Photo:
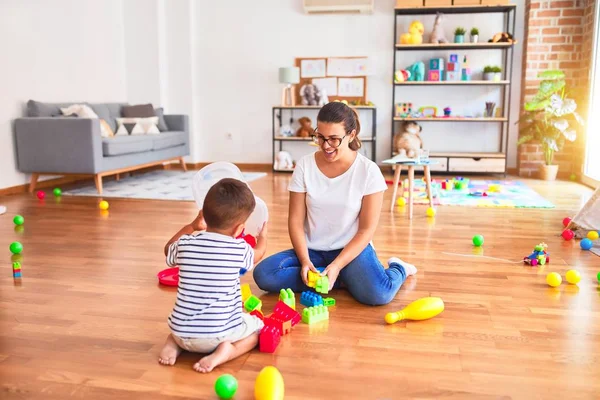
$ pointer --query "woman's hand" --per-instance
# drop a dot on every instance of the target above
(332, 271)
(306, 266)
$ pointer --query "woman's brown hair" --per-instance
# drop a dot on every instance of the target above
(337, 112)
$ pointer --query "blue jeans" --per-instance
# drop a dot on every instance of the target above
(365, 278)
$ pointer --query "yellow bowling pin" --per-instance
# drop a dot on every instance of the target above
(425, 308)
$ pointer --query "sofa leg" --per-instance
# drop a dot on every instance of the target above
(98, 180)
(33, 182)
(183, 166)
(118, 177)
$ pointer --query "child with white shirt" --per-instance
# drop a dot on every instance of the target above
(207, 316)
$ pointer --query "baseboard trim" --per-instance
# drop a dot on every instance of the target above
(250, 167)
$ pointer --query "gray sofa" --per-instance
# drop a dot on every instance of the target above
(48, 143)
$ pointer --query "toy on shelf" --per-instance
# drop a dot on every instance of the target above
(417, 71)
(539, 256)
(489, 109)
(465, 72)
(418, 310)
(306, 128)
(288, 297)
(502, 37)
(414, 35)
(310, 299)
(447, 111)
(403, 110)
(311, 95)
(312, 315)
(284, 161)
(401, 76)
(428, 111)
(437, 35)
(436, 70)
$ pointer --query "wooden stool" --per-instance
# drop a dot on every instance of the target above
(411, 183)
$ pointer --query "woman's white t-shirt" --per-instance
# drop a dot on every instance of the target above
(333, 204)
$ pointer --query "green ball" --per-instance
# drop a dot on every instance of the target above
(16, 248)
(19, 220)
(57, 192)
(598, 276)
(478, 240)
(226, 386)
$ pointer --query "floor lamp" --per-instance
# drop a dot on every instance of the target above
(289, 76)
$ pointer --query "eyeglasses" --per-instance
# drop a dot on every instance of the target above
(333, 142)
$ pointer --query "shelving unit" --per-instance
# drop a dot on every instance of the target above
(279, 140)
(486, 162)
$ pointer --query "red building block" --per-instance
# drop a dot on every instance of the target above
(286, 313)
(284, 327)
(258, 314)
(268, 339)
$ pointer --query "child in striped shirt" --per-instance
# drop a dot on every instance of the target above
(207, 316)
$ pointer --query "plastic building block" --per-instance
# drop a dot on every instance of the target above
(329, 302)
(452, 76)
(452, 67)
(435, 75)
(288, 297)
(284, 327)
(436, 63)
(312, 278)
(246, 292)
(259, 314)
(466, 74)
(454, 58)
(312, 315)
(268, 339)
(17, 274)
(322, 285)
(16, 266)
(310, 299)
(253, 303)
(286, 313)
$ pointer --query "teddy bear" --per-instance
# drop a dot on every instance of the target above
(310, 94)
(283, 161)
(408, 142)
(306, 128)
(502, 37)
(416, 71)
(414, 35)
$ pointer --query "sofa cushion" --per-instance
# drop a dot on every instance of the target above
(108, 112)
(40, 109)
(119, 145)
(169, 139)
(162, 124)
(138, 111)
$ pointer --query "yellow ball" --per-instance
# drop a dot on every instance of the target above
(103, 205)
(401, 201)
(431, 212)
(553, 279)
(592, 235)
(573, 277)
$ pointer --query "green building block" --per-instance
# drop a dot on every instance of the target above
(288, 297)
(322, 285)
(329, 302)
(16, 266)
(253, 303)
(312, 315)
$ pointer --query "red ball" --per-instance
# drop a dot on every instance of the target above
(568, 234)
(41, 195)
(566, 221)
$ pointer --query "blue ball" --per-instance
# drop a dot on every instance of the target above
(586, 244)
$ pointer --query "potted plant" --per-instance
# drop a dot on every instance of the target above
(459, 35)
(474, 35)
(550, 118)
(492, 73)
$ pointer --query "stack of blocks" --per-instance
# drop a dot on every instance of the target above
(320, 283)
(277, 324)
(465, 71)
(453, 70)
(16, 270)
(312, 315)
(436, 70)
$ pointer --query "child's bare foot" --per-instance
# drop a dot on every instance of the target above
(170, 352)
(222, 354)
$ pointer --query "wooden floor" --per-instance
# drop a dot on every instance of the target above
(89, 317)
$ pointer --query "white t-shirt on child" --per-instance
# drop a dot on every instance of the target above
(333, 204)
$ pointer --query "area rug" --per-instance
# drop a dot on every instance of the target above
(154, 185)
(511, 194)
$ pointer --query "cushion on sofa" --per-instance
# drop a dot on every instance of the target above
(41, 109)
(162, 124)
(119, 145)
(169, 139)
(138, 111)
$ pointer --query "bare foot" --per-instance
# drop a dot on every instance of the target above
(169, 353)
(222, 354)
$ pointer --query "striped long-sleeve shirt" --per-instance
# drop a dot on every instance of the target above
(209, 298)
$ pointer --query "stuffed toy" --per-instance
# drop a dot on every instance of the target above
(437, 35)
(408, 142)
(283, 161)
(324, 99)
(502, 37)
(414, 35)
(306, 128)
(310, 95)
(401, 76)
(417, 71)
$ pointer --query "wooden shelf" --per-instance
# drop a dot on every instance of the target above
(451, 83)
(317, 107)
(468, 155)
(302, 139)
(454, 46)
(474, 9)
(453, 119)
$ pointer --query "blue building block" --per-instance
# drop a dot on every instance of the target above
(17, 274)
(310, 299)
(436, 64)
(453, 58)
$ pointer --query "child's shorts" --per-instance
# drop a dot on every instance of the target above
(250, 324)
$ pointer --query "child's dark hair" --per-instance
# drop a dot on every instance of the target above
(338, 112)
(229, 202)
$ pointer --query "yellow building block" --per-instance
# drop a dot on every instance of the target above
(246, 292)
(312, 278)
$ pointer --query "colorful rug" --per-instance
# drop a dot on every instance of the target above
(510, 194)
(154, 185)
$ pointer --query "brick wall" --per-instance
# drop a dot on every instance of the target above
(558, 35)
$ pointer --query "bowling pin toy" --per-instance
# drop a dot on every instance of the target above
(418, 310)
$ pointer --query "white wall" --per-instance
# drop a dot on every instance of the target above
(64, 50)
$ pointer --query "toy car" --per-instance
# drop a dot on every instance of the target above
(539, 256)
